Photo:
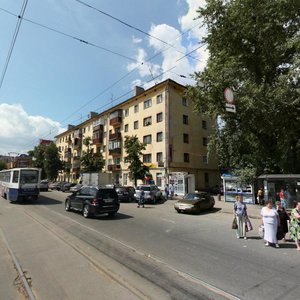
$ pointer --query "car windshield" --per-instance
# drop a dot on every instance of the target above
(144, 188)
(192, 197)
(29, 176)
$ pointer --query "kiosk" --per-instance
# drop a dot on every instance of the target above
(232, 188)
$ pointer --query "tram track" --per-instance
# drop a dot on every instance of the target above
(98, 247)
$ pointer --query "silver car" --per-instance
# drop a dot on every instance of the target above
(151, 193)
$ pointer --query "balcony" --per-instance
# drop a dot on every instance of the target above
(115, 121)
(114, 167)
(69, 140)
(67, 167)
(116, 135)
(77, 144)
(115, 151)
(115, 117)
(78, 134)
(76, 169)
(68, 154)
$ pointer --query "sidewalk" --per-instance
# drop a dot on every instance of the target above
(227, 207)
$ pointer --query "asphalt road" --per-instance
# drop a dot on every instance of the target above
(173, 255)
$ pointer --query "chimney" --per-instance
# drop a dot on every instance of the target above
(92, 114)
(138, 90)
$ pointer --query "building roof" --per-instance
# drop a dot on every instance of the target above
(166, 82)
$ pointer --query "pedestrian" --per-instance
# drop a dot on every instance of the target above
(171, 190)
(284, 218)
(141, 200)
(260, 196)
(270, 221)
(166, 192)
(295, 225)
(240, 213)
(282, 198)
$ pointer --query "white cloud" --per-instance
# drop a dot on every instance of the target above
(21, 132)
(136, 40)
(175, 60)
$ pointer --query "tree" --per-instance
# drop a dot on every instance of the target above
(254, 49)
(134, 149)
(46, 157)
(2, 165)
(90, 161)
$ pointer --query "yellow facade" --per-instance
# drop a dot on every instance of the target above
(176, 137)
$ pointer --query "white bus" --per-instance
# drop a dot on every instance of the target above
(20, 184)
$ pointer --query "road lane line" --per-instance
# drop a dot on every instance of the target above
(18, 267)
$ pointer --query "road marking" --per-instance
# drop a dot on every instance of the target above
(167, 220)
(183, 274)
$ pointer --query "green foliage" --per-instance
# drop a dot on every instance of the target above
(254, 49)
(2, 165)
(134, 149)
(90, 161)
(47, 158)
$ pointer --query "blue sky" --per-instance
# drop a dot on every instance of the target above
(53, 79)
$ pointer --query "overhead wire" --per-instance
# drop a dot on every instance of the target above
(106, 89)
(15, 35)
(70, 36)
(129, 25)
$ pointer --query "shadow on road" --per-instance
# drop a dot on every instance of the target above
(41, 201)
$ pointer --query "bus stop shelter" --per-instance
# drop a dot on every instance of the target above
(273, 183)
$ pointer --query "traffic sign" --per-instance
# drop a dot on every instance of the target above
(228, 94)
(230, 107)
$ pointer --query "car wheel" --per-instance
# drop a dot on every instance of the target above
(67, 205)
(86, 211)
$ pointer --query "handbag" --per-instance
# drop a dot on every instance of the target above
(234, 224)
(249, 226)
(280, 233)
(261, 231)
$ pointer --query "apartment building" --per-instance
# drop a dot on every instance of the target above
(176, 138)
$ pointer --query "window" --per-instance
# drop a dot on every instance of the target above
(206, 179)
(147, 121)
(159, 99)
(186, 157)
(147, 139)
(136, 108)
(126, 112)
(158, 179)
(159, 156)
(186, 138)
(159, 136)
(159, 117)
(15, 177)
(204, 141)
(136, 125)
(147, 103)
(204, 159)
(147, 158)
(185, 119)
(126, 128)
(184, 102)
(204, 124)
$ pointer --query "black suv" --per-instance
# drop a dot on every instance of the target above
(94, 200)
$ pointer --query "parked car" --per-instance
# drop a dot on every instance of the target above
(66, 186)
(195, 202)
(53, 185)
(44, 185)
(60, 185)
(75, 188)
(131, 191)
(125, 194)
(151, 193)
(92, 200)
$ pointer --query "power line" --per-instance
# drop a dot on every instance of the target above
(69, 36)
(20, 17)
(130, 26)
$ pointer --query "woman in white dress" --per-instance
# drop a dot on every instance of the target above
(270, 220)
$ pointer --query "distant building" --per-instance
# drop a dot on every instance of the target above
(176, 138)
(45, 142)
(22, 161)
